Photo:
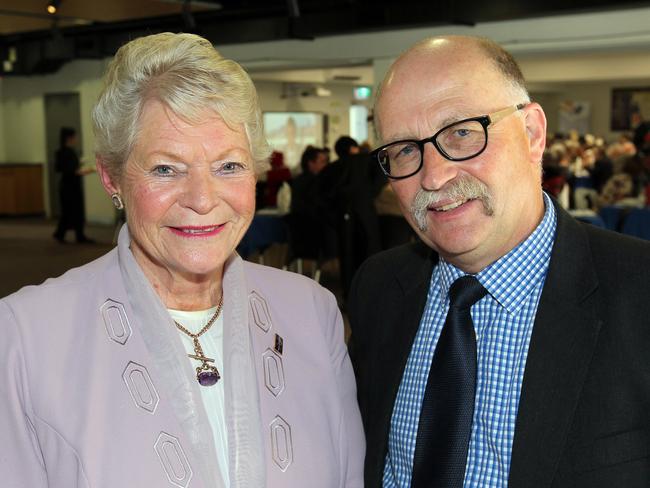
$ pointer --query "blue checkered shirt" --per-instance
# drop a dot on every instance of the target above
(503, 321)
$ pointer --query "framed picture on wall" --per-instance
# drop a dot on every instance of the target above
(629, 107)
(291, 132)
(574, 116)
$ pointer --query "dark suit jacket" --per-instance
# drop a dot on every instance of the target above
(584, 413)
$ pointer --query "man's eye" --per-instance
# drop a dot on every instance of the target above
(402, 151)
(463, 132)
(406, 150)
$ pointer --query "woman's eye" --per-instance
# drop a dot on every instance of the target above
(232, 167)
(163, 170)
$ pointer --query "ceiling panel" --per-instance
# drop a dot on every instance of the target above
(96, 28)
(31, 15)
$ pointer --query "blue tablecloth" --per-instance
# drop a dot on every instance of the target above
(264, 231)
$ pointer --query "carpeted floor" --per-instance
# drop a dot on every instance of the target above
(29, 254)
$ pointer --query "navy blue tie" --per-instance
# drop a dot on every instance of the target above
(448, 405)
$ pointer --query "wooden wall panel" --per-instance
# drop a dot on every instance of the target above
(21, 189)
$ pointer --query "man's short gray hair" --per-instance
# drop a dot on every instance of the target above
(185, 73)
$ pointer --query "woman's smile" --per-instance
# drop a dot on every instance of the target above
(197, 231)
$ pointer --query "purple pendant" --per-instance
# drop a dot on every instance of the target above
(208, 378)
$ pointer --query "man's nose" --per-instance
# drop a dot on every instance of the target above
(436, 169)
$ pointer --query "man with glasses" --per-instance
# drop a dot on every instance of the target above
(510, 346)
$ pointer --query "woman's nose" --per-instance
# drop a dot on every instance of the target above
(200, 193)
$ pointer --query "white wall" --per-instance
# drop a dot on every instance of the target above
(23, 114)
(598, 94)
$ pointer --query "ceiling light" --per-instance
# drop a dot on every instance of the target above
(53, 6)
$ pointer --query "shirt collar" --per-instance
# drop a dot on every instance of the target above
(511, 278)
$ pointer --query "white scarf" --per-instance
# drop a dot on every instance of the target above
(243, 420)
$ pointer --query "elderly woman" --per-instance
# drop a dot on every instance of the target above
(170, 361)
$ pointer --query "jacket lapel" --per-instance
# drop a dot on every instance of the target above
(564, 336)
(402, 314)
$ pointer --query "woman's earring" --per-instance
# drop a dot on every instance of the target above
(117, 201)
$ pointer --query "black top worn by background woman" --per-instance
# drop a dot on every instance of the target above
(71, 195)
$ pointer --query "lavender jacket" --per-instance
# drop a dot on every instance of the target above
(95, 390)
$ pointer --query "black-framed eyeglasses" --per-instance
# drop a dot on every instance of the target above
(458, 141)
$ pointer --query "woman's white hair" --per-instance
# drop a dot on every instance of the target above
(185, 73)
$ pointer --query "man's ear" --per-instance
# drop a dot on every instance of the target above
(108, 183)
(535, 121)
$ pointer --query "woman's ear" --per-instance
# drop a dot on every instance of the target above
(535, 121)
(107, 180)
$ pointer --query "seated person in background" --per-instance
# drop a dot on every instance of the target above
(584, 195)
(554, 183)
(554, 177)
(626, 189)
(602, 168)
(304, 188)
(618, 191)
(170, 360)
(312, 236)
(275, 176)
(618, 152)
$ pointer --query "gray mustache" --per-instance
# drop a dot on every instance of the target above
(462, 188)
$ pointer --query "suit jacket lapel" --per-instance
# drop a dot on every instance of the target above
(402, 314)
(564, 336)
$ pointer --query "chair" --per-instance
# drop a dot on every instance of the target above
(615, 216)
(637, 223)
(595, 220)
(611, 215)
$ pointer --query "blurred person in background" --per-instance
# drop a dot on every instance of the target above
(305, 197)
(71, 191)
(278, 173)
